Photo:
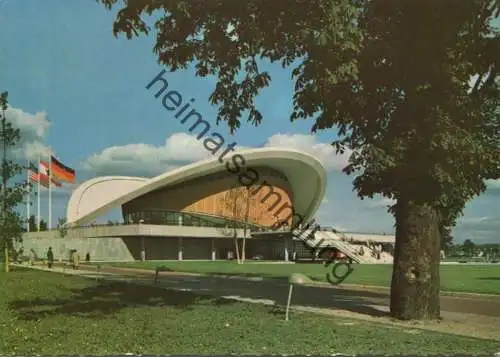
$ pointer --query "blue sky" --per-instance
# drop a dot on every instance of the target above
(75, 88)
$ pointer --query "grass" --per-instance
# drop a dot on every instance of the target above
(53, 314)
(483, 279)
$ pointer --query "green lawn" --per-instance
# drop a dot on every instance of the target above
(54, 314)
(483, 279)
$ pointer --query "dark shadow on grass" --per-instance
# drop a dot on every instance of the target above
(107, 298)
(276, 287)
(490, 278)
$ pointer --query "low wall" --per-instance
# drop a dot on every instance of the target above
(100, 249)
(156, 248)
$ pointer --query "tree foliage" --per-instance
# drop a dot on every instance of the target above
(238, 204)
(62, 227)
(12, 192)
(33, 224)
(446, 238)
(469, 247)
(411, 87)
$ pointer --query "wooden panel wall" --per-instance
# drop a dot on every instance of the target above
(211, 195)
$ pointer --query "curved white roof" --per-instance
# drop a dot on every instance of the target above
(306, 176)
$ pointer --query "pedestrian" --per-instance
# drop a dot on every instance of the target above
(50, 258)
(87, 257)
(76, 259)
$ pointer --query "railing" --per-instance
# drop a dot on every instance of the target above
(340, 245)
(176, 218)
(333, 240)
(120, 231)
(171, 218)
(368, 257)
(351, 252)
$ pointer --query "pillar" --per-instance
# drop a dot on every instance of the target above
(286, 249)
(143, 250)
(180, 248)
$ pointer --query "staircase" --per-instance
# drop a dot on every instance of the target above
(345, 247)
(323, 239)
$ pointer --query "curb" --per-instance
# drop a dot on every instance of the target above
(442, 292)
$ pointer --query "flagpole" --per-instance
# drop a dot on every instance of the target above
(28, 181)
(50, 189)
(38, 196)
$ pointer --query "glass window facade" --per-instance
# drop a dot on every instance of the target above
(174, 218)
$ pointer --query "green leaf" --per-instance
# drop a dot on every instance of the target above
(12, 192)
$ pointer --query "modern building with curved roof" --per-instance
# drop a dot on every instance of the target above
(196, 211)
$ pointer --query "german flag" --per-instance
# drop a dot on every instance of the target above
(43, 176)
(62, 172)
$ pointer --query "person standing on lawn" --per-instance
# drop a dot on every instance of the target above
(50, 258)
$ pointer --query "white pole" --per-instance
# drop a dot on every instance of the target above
(28, 180)
(288, 302)
(50, 189)
(38, 196)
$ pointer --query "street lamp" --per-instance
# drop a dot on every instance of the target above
(143, 249)
(295, 279)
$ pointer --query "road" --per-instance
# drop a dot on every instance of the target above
(371, 302)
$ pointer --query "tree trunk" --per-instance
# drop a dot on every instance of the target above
(243, 246)
(415, 278)
(245, 230)
(237, 248)
(6, 259)
(5, 233)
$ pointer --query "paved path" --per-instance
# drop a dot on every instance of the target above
(356, 299)
(473, 316)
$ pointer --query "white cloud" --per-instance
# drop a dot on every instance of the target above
(182, 148)
(307, 143)
(33, 129)
(147, 160)
(477, 228)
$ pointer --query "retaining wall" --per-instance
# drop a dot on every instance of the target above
(100, 249)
